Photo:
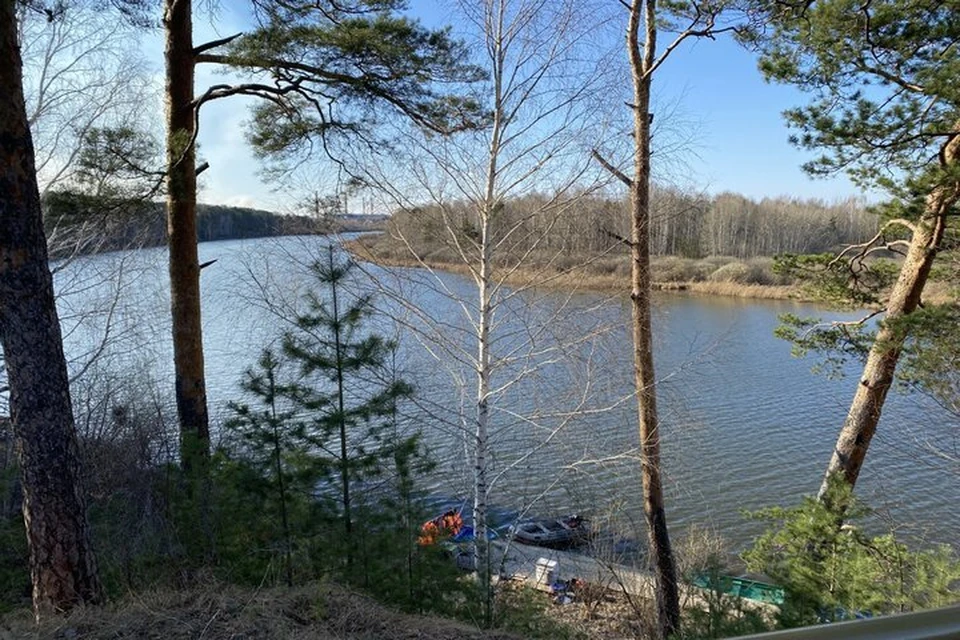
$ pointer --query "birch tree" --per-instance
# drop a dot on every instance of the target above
(82, 76)
(495, 199)
(82, 71)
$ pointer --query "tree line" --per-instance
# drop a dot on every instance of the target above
(681, 224)
(103, 224)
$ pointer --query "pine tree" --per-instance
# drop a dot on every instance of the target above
(274, 441)
(63, 566)
(831, 573)
(326, 71)
(326, 412)
(885, 109)
(345, 387)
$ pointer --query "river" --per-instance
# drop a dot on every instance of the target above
(745, 425)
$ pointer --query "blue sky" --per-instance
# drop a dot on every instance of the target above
(742, 142)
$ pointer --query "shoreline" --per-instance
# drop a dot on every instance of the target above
(580, 279)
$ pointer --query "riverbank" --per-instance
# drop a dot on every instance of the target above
(753, 278)
(715, 276)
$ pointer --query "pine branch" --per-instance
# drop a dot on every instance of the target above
(213, 44)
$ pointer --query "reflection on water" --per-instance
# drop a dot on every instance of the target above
(744, 424)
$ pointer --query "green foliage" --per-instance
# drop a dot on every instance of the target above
(118, 164)
(344, 64)
(837, 282)
(253, 545)
(884, 108)
(928, 341)
(525, 611)
(723, 615)
(388, 564)
(927, 338)
(345, 387)
(14, 575)
(882, 81)
(276, 446)
(931, 356)
(836, 343)
(831, 571)
(325, 423)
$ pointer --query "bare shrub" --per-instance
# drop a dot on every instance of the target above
(698, 550)
(736, 272)
(127, 442)
(673, 269)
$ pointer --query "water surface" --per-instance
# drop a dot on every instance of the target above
(745, 425)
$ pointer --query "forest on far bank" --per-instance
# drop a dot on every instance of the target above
(681, 224)
(73, 219)
(723, 244)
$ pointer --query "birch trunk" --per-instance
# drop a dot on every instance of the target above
(481, 437)
(182, 235)
(63, 568)
(482, 552)
(485, 319)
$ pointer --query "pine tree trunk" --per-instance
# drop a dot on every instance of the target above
(278, 466)
(182, 236)
(878, 373)
(62, 564)
(661, 554)
(341, 413)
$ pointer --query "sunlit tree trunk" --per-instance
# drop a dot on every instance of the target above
(661, 555)
(926, 238)
(62, 564)
(182, 235)
(481, 442)
(484, 276)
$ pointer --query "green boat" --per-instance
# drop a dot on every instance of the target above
(741, 587)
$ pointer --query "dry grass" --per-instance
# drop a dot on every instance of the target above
(716, 275)
(737, 290)
(939, 293)
(220, 612)
(720, 276)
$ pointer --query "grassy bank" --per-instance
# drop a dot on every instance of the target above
(219, 611)
(722, 276)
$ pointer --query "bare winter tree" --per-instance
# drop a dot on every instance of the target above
(81, 71)
(85, 89)
(496, 200)
(645, 23)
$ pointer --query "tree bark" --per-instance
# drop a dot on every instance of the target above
(484, 283)
(190, 383)
(481, 436)
(661, 554)
(864, 415)
(63, 568)
(341, 415)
